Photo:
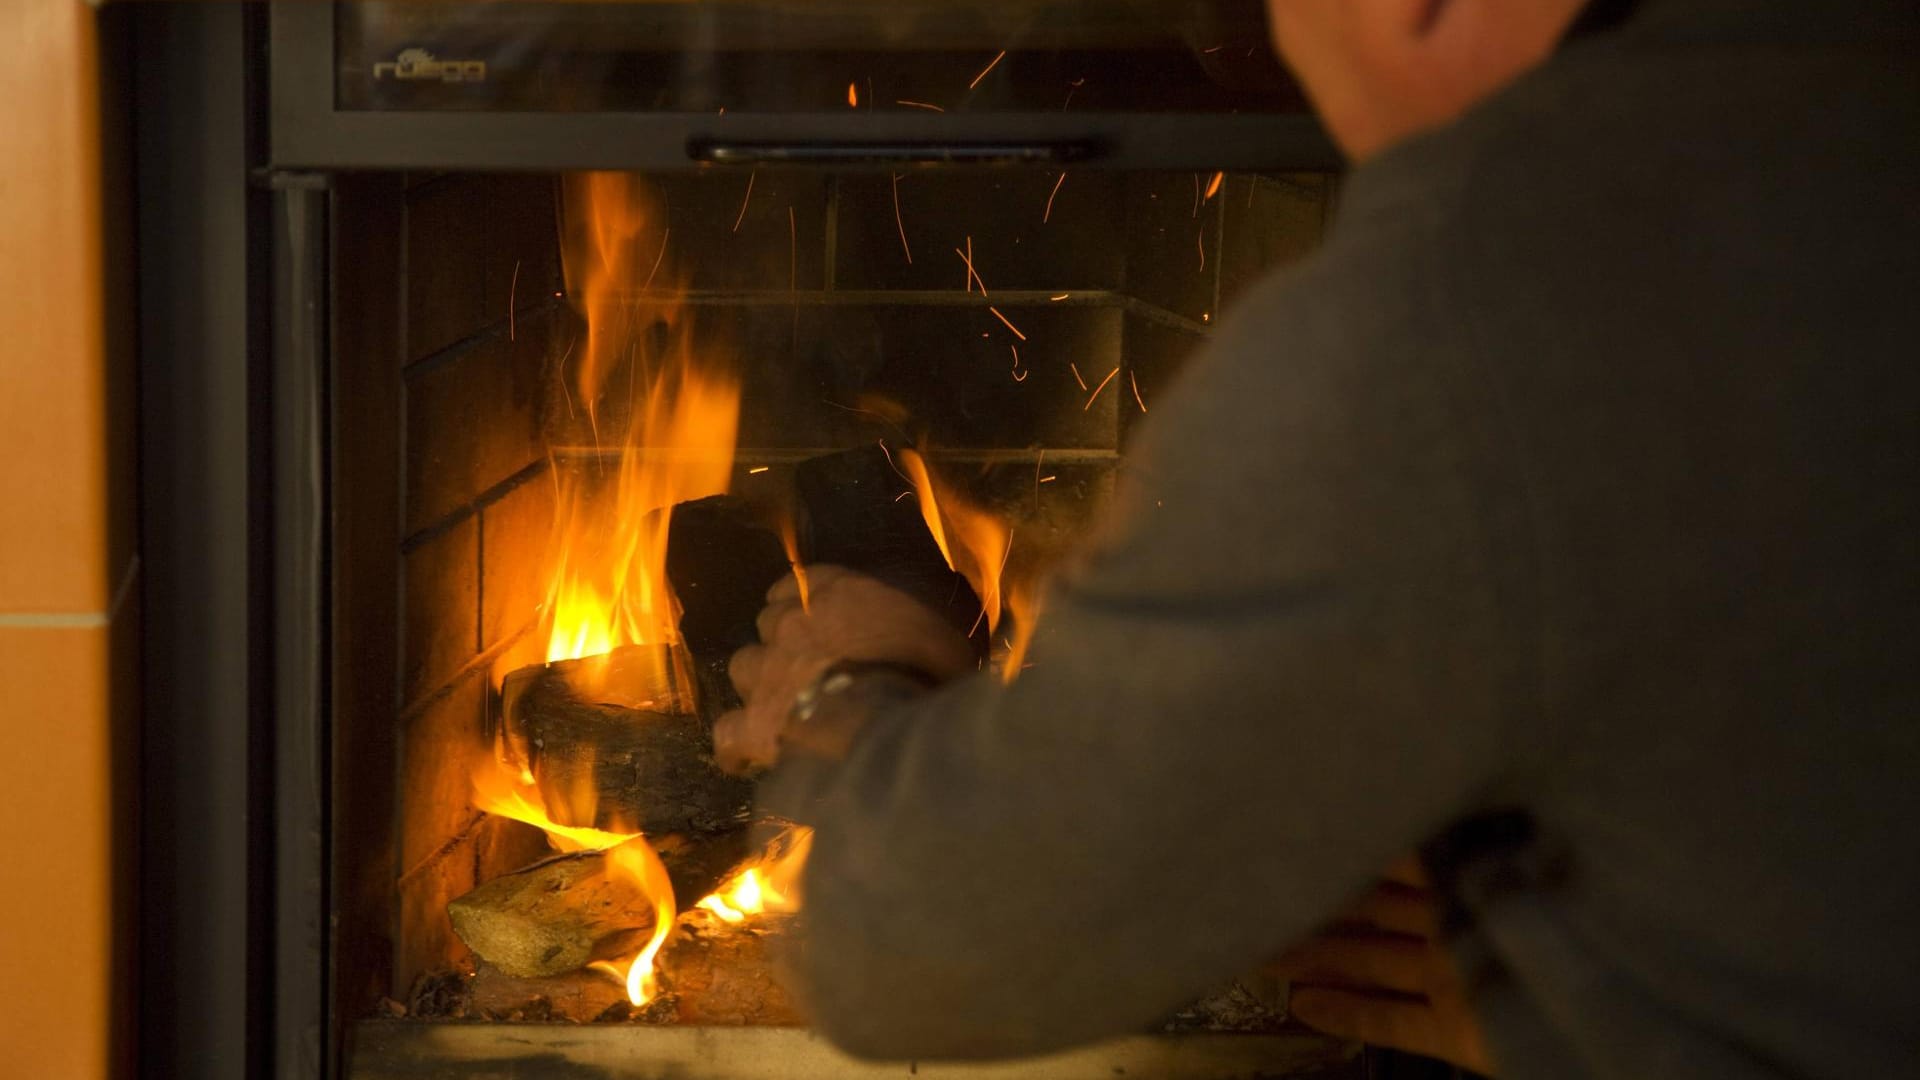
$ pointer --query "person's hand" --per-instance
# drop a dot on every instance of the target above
(846, 616)
(1378, 974)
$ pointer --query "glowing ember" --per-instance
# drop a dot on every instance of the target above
(1213, 187)
(853, 96)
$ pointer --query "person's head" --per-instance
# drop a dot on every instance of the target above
(1379, 71)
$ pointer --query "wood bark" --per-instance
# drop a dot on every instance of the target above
(614, 742)
(559, 913)
(552, 917)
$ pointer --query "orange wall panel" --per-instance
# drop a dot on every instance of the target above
(54, 553)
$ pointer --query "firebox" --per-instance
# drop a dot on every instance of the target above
(581, 324)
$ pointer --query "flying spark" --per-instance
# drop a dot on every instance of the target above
(994, 63)
(744, 201)
(1097, 389)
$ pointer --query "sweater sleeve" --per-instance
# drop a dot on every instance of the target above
(1288, 657)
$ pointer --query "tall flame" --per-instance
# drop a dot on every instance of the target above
(670, 406)
(607, 580)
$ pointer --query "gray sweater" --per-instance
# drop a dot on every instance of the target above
(1574, 481)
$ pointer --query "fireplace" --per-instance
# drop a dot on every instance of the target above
(484, 255)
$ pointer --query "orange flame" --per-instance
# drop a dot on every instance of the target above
(773, 884)
(677, 407)
(975, 543)
(607, 583)
(1023, 602)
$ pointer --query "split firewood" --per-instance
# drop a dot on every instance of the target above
(710, 973)
(553, 916)
(719, 973)
(614, 742)
(561, 912)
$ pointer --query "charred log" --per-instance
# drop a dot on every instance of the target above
(856, 514)
(721, 561)
(614, 742)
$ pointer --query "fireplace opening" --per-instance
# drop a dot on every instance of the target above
(580, 423)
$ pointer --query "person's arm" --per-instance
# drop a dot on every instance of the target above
(1291, 657)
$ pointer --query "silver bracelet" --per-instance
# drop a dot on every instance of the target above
(840, 677)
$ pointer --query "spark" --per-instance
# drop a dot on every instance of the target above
(920, 105)
(745, 201)
(1196, 194)
(1050, 197)
(853, 96)
(1213, 186)
(899, 222)
(1072, 89)
(758, 469)
(994, 63)
(1200, 238)
(1004, 319)
(1021, 376)
(903, 495)
(1097, 389)
(1049, 478)
(665, 234)
(1213, 50)
(1136, 392)
(972, 274)
(1057, 299)
(896, 469)
(513, 288)
(1016, 356)
(1075, 368)
(1039, 460)
(793, 272)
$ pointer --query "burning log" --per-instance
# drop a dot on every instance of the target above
(721, 562)
(717, 973)
(562, 912)
(614, 742)
(554, 916)
(858, 515)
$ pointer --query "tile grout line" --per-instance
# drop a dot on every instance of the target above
(76, 620)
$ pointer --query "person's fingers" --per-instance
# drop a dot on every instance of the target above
(768, 622)
(1399, 1023)
(735, 747)
(1403, 909)
(745, 667)
(787, 589)
(1358, 959)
